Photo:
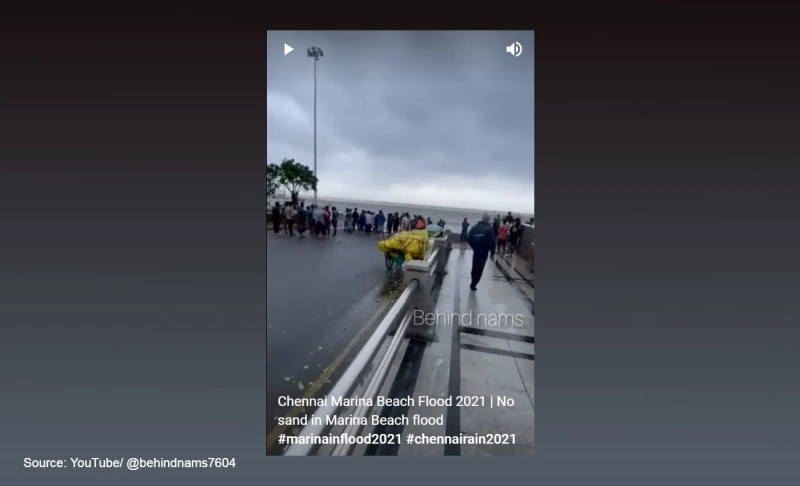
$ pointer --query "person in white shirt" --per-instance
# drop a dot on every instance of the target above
(288, 220)
(319, 221)
(369, 222)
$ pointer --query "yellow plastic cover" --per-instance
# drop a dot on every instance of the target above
(412, 244)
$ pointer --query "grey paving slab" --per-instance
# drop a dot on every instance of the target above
(529, 291)
(525, 367)
(443, 343)
(482, 373)
(516, 309)
(486, 342)
(521, 268)
(480, 307)
(480, 369)
(526, 329)
(433, 376)
(503, 294)
(521, 347)
(443, 337)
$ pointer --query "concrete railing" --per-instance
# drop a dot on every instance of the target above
(420, 278)
(426, 273)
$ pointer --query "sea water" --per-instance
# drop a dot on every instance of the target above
(451, 216)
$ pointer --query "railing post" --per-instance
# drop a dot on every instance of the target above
(422, 325)
(444, 246)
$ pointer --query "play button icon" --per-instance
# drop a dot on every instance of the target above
(287, 49)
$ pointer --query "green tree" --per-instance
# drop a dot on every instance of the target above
(295, 177)
(273, 179)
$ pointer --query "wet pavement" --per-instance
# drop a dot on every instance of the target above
(490, 357)
(324, 298)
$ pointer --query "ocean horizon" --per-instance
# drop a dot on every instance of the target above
(450, 215)
(310, 197)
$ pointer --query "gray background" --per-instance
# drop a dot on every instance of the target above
(132, 270)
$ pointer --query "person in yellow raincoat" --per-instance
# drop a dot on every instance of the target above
(412, 245)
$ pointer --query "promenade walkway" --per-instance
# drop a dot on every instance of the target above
(482, 350)
(487, 359)
(481, 360)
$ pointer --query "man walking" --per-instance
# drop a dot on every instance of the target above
(482, 241)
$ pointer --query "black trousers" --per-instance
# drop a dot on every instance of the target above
(478, 263)
(501, 246)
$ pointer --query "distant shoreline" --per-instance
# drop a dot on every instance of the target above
(307, 197)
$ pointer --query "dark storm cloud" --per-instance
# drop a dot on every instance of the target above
(452, 106)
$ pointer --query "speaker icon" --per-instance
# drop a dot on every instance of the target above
(514, 49)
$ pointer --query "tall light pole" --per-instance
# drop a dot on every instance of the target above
(316, 53)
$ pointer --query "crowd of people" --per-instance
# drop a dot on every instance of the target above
(502, 236)
(487, 238)
(507, 233)
(323, 221)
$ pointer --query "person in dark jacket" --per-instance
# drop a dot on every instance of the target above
(310, 215)
(481, 239)
(276, 217)
(464, 229)
(515, 236)
(396, 223)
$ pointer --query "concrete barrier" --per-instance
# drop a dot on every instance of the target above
(426, 272)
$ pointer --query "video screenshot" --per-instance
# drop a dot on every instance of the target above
(400, 243)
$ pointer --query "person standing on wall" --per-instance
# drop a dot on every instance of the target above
(482, 240)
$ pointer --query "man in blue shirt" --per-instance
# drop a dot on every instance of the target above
(380, 220)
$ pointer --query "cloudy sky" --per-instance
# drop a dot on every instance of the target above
(439, 118)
